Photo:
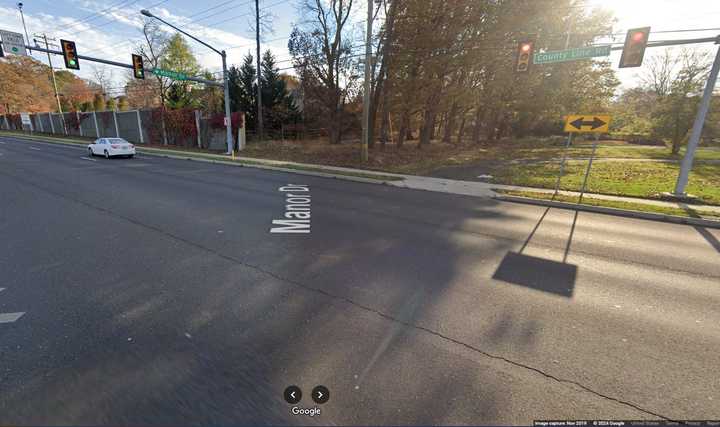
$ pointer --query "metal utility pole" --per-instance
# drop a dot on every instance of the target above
(687, 161)
(259, 71)
(368, 75)
(22, 17)
(52, 71)
(226, 86)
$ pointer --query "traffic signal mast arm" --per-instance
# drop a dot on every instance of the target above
(675, 42)
(120, 64)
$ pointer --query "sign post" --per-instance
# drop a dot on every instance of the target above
(582, 123)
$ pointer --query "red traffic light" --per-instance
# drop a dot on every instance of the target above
(634, 49)
(524, 56)
(638, 37)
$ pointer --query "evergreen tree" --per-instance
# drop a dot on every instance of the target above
(278, 106)
(243, 89)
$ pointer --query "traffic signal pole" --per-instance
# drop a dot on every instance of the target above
(687, 161)
(224, 85)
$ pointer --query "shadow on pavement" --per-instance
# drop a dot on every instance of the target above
(714, 242)
(540, 273)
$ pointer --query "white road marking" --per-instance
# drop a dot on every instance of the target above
(10, 317)
(2, 289)
(35, 148)
(88, 158)
(3, 142)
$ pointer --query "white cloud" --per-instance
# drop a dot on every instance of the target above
(100, 37)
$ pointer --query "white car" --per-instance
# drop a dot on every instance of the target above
(110, 147)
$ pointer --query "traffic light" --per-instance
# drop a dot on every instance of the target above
(138, 67)
(634, 49)
(525, 51)
(2, 54)
(70, 53)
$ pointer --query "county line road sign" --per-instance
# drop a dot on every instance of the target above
(13, 43)
(571, 54)
(171, 74)
(579, 123)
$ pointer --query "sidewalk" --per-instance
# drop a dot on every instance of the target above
(466, 188)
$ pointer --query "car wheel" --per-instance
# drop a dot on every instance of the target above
(90, 152)
(107, 155)
(130, 156)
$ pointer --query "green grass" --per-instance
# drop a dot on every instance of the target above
(639, 207)
(636, 179)
(552, 148)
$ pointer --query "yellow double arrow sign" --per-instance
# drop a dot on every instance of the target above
(587, 123)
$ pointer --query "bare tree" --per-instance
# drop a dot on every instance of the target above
(676, 79)
(153, 49)
(660, 71)
(103, 76)
(321, 56)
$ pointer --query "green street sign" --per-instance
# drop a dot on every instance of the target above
(175, 75)
(571, 54)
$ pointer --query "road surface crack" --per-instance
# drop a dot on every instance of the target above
(347, 300)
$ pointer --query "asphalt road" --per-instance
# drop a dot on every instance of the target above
(154, 293)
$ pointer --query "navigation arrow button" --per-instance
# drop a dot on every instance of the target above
(320, 394)
(292, 394)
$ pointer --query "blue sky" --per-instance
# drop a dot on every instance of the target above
(110, 28)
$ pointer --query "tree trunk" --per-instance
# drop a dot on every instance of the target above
(385, 124)
(426, 129)
(461, 131)
(432, 128)
(478, 125)
(676, 134)
(381, 86)
(450, 123)
(404, 128)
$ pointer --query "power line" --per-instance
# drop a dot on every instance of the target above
(92, 16)
(246, 14)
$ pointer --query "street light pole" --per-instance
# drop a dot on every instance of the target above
(22, 17)
(226, 85)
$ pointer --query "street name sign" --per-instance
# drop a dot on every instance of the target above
(571, 54)
(13, 43)
(170, 74)
(583, 123)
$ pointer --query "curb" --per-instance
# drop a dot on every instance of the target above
(222, 162)
(273, 168)
(612, 211)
